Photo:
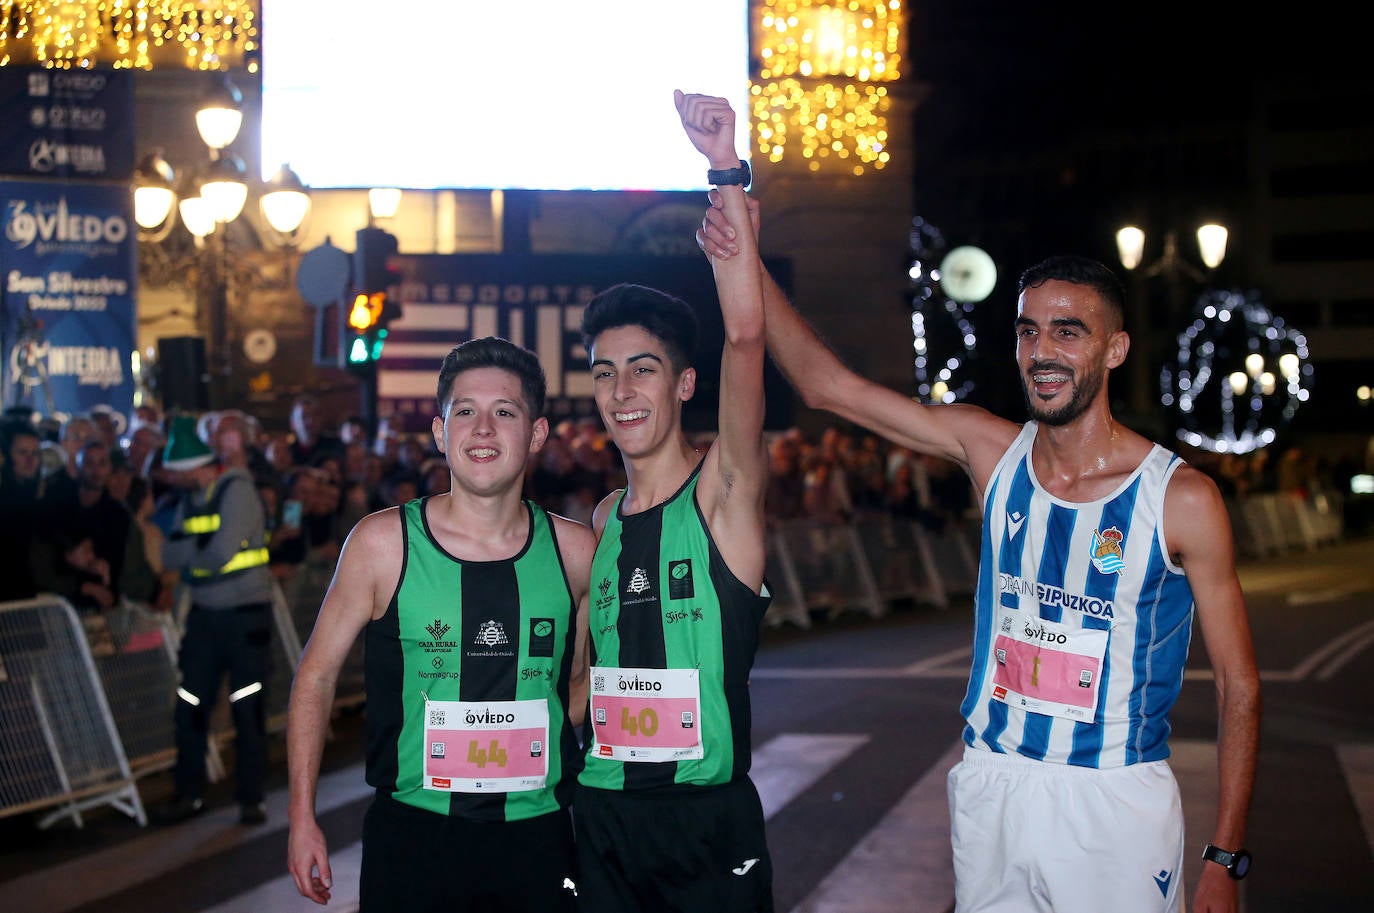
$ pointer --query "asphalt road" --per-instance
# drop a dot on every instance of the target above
(855, 725)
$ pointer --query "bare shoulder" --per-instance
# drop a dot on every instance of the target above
(603, 511)
(983, 437)
(1195, 516)
(979, 427)
(377, 534)
(1192, 489)
(574, 539)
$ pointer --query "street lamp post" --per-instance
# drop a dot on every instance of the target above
(1174, 269)
(207, 203)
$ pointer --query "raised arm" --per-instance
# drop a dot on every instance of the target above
(364, 580)
(735, 475)
(968, 435)
(1199, 536)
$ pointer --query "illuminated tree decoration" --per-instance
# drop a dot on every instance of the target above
(1240, 376)
(944, 342)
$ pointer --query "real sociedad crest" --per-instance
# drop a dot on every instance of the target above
(1106, 551)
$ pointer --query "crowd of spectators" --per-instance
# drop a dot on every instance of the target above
(80, 500)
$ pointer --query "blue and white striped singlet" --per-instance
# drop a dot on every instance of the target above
(1082, 621)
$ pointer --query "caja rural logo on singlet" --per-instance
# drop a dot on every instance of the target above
(607, 597)
(439, 647)
(437, 630)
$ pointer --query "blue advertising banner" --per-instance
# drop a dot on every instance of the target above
(536, 301)
(70, 124)
(67, 289)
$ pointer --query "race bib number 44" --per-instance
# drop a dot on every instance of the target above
(486, 746)
(646, 714)
(1046, 667)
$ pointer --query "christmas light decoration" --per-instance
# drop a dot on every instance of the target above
(138, 34)
(817, 92)
(944, 341)
(1241, 374)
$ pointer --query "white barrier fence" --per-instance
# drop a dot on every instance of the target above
(865, 565)
(59, 748)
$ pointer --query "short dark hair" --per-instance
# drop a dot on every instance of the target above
(670, 320)
(495, 352)
(1079, 271)
(11, 428)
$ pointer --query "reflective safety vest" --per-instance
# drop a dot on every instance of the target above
(205, 521)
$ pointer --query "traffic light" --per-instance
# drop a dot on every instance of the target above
(374, 305)
(367, 335)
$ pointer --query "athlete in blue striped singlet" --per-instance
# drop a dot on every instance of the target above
(1098, 547)
(473, 606)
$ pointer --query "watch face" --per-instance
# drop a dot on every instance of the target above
(1241, 864)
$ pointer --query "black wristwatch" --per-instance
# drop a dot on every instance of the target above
(1236, 864)
(741, 175)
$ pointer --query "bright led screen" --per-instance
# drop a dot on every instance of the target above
(534, 94)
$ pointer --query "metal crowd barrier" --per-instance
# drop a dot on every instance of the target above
(135, 654)
(59, 746)
(1273, 523)
(864, 565)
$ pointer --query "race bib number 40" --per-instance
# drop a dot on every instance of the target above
(1046, 667)
(486, 746)
(646, 714)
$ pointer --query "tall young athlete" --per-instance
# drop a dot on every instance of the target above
(1098, 547)
(667, 817)
(475, 654)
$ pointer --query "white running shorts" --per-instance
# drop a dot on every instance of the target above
(1031, 836)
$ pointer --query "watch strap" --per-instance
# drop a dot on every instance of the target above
(722, 176)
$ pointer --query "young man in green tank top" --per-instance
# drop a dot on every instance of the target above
(667, 817)
(472, 607)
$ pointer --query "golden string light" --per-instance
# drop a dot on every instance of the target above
(844, 124)
(138, 34)
(815, 92)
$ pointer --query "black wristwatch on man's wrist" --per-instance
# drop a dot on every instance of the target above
(722, 176)
(1236, 864)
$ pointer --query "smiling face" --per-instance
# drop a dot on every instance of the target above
(1067, 341)
(638, 393)
(486, 432)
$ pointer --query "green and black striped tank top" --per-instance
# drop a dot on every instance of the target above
(474, 631)
(663, 598)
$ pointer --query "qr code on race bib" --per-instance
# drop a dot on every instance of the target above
(598, 683)
(436, 717)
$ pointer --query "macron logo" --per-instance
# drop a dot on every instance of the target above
(744, 869)
(1014, 522)
(1163, 879)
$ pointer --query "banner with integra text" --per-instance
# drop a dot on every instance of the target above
(67, 295)
(536, 301)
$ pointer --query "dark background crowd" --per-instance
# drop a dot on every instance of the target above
(80, 499)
